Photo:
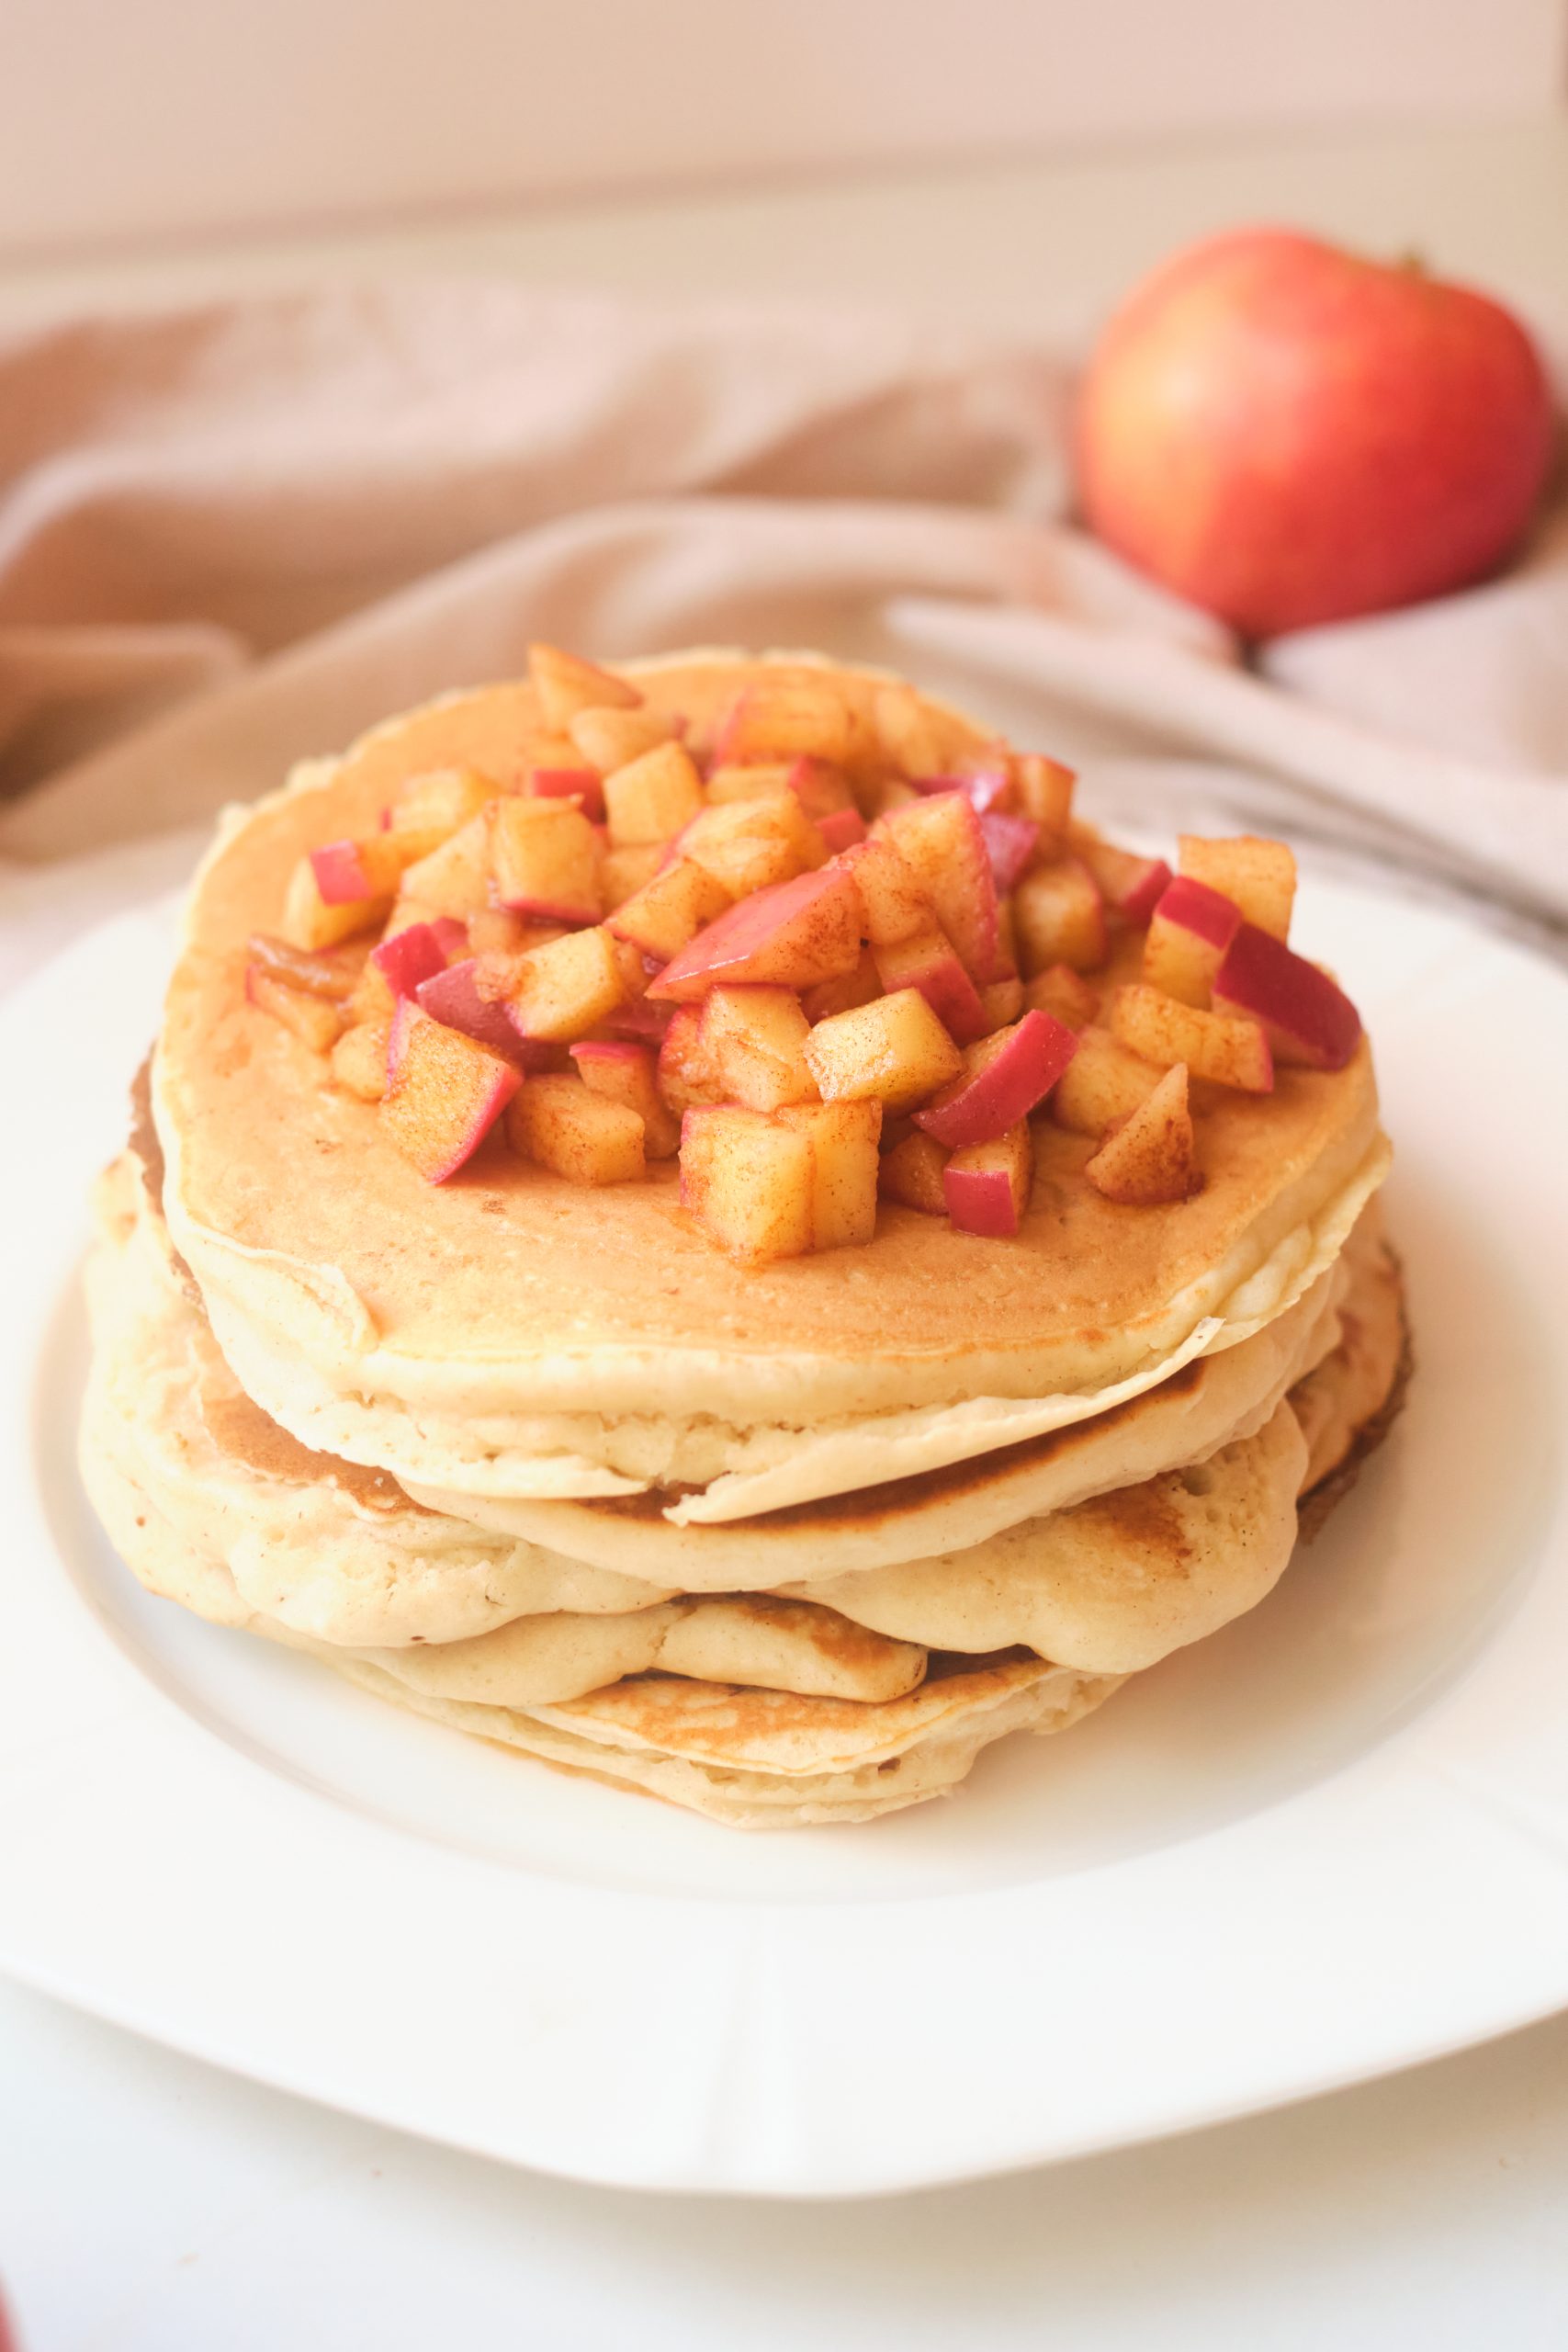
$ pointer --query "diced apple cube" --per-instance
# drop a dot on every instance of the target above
(750, 845)
(895, 906)
(1002, 1079)
(1064, 994)
(668, 910)
(565, 1125)
(325, 973)
(455, 880)
(893, 1051)
(1151, 1157)
(498, 930)
(417, 952)
(311, 923)
(755, 1038)
(989, 785)
(1010, 842)
(1131, 886)
(754, 781)
(784, 714)
(987, 1185)
(840, 829)
(652, 797)
(843, 994)
(1002, 1002)
(822, 789)
(844, 1163)
(1163, 1030)
(565, 684)
(1188, 935)
(1308, 1017)
(359, 1060)
(625, 872)
(623, 1072)
(686, 1075)
(1044, 789)
(445, 1094)
(747, 1180)
(1060, 917)
(795, 936)
(1103, 1084)
(912, 737)
(358, 873)
(927, 962)
(567, 989)
(545, 859)
(1257, 876)
(942, 843)
(911, 1173)
(453, 996)
(314, 1019)
(431, 808)
(580, 784)
(610, 738)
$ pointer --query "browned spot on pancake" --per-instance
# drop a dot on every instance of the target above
(1143, 1522)
(243, 1431)
(836, 1639)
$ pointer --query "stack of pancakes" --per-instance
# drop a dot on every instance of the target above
(781, 1544)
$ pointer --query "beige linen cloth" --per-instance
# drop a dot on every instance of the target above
(235, 535)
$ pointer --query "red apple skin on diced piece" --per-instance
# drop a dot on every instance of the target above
(444, 1096)
(822, 789)
(313, 1019)
(1059, 916)
(844, 1167)
(928, 963)
(1307, 1018)
(1226, 1051)
(454, 997)
(840, 829)
(894, 1050)
(582, 784)
(911, 1174)
(308, 923)
(1004, 1079)
(747, 1180)
(625, 1073)
(1064, 994)
(346, 874)
(1131, 886)
(1010, 842)
(942, 843)
(1189, 932)
(416, 954)
(1149, 1161)
(1258, 875)
(983, 786)
(987, 1185)
(794, 935)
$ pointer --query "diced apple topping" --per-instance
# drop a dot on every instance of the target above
(1103, 1084)
(1150, 1159)
(1060, 918)
(417, 952)
(311, 922)
(359, 873)
(1188, 935)
(927, 962)
(653, 797)
(610, 738)
(359, 1060)
(893, 1051)
(455, 880)
(626, 871)
(1002, 1002)
(545, 859)
(894, 907)
(669, 910)
(911, 1173)
(624, 1071)
(445, 1094)
(329, 973)
(1002, 1079)
(431, 808)
(913, 739)
(1163, 1030)
(941, 843)
(754, 1039)
(565, 684)
(1044, 789)
(1010, 842)
(749, 845)
(782, 716)
(752, 781)
(1307, 1017)
(580, 784)
(1064, 994)
(686, 1075)
(987, 784)
(822, 789)
(455, 997)
(859, 987)
(1259, 877)
(313, 1018)
(987, 1185)
(844, 1165)
(567, 989)
(749, 1181)
(841, 830)
(1132, 887)
(794, 935)
(576, 1132)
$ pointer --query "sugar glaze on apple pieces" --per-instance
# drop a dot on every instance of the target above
(820, 974)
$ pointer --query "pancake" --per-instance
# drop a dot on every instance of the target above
(1341, 1403)
(506, 1327)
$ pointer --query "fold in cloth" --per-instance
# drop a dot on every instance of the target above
(234, 537)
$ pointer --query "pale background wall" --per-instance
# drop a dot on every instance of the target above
(125, 121)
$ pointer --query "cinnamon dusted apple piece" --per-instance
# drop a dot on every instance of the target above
(1060, 918)
(623, 1072)
(1104, 1083)
(843, 995)
(894, 907)
(794, 935)
(1188, 935)
(1045, 790)
(1257, 876)
(1131, 886)
(840, 829)
(1002, 1079)
(928, 961)
(822, 789)
(913, 739)
(1002, 1002)
(1228, 1052)
(988, 784)
(429, 809)
(445, 1092)
(844, 1162)
(670, 910)
(312, 921)
(1308, 1017)
(581, 785)
(1011, 843)
(749, 845)
(565, 989)
(460, 996)
(565, 1125)
(330, 973)
(1064, 994)
(1150, 1159)
(987, 1185)
(545, 860)
(455, 880)
(566, 685)
(358, 873)
(893, 1051)
(417, 952)
(314, 1019)
(749, 1181)
(755, 1039)
(686, 1077)
(359, 1059)
(610, 738)
(752, 781)
(911, 1173)
(626, 871)
(942, 843)
(784, 714)
(652, 797)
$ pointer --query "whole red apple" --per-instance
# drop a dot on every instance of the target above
(1287, 434)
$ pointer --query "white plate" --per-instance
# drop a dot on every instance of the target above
(1330, 1841)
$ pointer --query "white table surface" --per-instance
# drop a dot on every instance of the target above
(151, 2204)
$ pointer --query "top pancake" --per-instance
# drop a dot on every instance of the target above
(507, 1289)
